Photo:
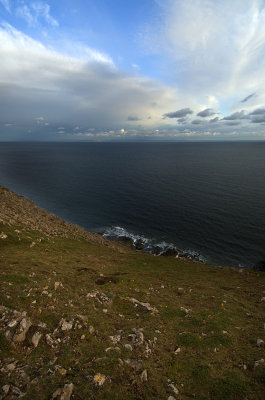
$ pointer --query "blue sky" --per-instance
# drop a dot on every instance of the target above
(130, 70)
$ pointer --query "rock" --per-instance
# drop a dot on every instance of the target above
(65, 325)
(262, 299)
(137, 337)
(99, 379)
(115, 339)
(177, 351)
(13, 323)
(3, 235)
(260, 342)
(91, 330)
(113, 348)
(17, 392)
(83, 337)
(144, 375)
(132, 363)
(24, 326)
(171, 398)
(6, 389)
(259, 362)
(64, 393)
(11, 367)
(186, 310)
(181, 291)
(174, 388)
(57, 285)
(128, 346)
(99, 297)
(144, 306)
(36, 338)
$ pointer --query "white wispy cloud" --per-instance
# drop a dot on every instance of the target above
(6, 4)
(213, 48)
(35, 12)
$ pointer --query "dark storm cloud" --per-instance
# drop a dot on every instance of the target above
(206, 113)
(178, 114)
(133, 118)
(258, 119)
(182, 120)
(248, 97)
(196, 122)
(258, 111)
(216, 119)
(236, 115)
(233, 123)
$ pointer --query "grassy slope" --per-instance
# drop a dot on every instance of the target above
(210, 365)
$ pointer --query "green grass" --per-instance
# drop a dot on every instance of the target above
(217, 337)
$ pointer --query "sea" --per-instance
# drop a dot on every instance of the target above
(205, 200)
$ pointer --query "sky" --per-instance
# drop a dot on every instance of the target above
(132, 70)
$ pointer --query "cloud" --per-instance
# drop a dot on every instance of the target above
(237, 115)
(133, 118)
(6, 4)
(248, 97)
(196, 122)
(257, 119)
(36, 81)
(233, 123)
(178, 114)
(35, 12)
(258, 111)
(213, 120)
(206, 113)
(187, 33)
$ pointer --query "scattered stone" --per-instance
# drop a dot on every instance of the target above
(57, 285)
(24, 326)
(263, 299)
(132, 363)
(128, 346)
(115, 339)
(91, 330)
(181, 291)
(65, 325)
(144, 306)
(83, 337)
(99, 379)
(171, 398)
(186, 310)
(3, 235)
(12, 323)
(11, 367)
(36, 338)
(259, 362)
(260, 342)
(144, 376)
(105, 310)
(137, 337)
(177, 351)
(6, 389)
(64, 393)
(32, 245)
(99, 297)
(113, 348)
(17, 392)
(174, 388)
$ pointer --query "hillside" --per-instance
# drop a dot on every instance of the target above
(84, 318)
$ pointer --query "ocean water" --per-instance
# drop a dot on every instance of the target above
(205, 199)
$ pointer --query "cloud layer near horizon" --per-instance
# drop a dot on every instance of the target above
(51, 92)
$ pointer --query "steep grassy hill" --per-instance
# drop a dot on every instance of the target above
(85, 318)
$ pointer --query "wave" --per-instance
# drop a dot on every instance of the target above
(151, 246)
